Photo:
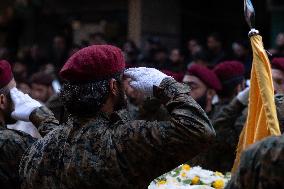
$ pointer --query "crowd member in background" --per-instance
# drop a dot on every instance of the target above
(12, 143)
(24, 86)
(279, 42)
(97, 38)
(232, 77)
(59, 51)
(20, 71)
(277, 65)
(147, 56)
(241, 52)
(193, 47)
(200, 58)
(41, 86)
(204, 83)
(215, 48)
(131, 53)
(160, 59)
(176, 63)
(99, 146)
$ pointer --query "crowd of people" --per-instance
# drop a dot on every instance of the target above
(77, 134)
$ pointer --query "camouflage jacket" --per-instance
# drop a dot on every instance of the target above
(261, 166)
(228, 125)
(14, 143)
(110, 151)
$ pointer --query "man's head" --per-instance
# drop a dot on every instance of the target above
(231, 74)
(93, 81)
(193, 46)
(176, 56)
(41, 86)
(214, 42)
(278, 74)
(7, 82)
(204, 84)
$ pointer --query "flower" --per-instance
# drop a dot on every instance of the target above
(218, 184)
(185, 167)
(195, 180)
(183, 174)
(219, 174)
(161, 182)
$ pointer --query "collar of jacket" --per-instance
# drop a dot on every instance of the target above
(117, 117)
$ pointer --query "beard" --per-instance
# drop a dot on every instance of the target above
(7, 113)
(202, 101)
(121, 100)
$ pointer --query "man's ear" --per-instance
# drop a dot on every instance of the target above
(3, 101)
(210, 94)
(113, 87)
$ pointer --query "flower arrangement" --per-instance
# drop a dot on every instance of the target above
(186, 177)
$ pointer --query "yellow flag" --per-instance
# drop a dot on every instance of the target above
(262, 118)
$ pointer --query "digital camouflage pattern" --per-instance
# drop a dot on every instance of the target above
(261, 166)
(228, 125)
(12, 146)
(14, 143)
(114, 152)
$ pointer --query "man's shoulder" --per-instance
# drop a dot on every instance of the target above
(14, 136)
(272, 147)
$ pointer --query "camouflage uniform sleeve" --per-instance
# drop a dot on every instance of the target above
(44, 120)
(279, 102)
(166, 144)
(229, 114)
(261, 166)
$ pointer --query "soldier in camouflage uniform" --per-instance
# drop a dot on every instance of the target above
(222, 151)
(99, 147)
(14, 143)
(261, 166)
(228, 125)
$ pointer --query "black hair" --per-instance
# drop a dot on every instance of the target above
(86, 99)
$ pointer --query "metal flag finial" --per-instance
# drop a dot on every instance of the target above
(249, 13)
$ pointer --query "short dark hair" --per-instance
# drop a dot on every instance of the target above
(86, 99)
(41, 78)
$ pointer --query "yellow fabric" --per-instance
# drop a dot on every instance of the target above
(262, 118)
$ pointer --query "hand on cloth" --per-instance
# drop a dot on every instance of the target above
(24, 105)
(143, 79)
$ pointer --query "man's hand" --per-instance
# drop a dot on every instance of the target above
(24, 105)
(243, 96)
(143, 79)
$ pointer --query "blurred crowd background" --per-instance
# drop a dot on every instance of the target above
(37, 36)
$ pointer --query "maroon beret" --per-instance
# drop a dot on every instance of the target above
(278, 63)
(229, 70)
(6, 74)
(205, 75)
(92, 63)
(178, 76)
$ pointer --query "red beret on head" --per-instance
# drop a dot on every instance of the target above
(205, 75)
(278, 63)
(93, 63)
(228, 70)
(6, 74)
(177, 76)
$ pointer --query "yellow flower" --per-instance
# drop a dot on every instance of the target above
(219, 174)
(161, 182)
(185, 167)
(218, 184)
(183, 174)
(195, 180)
